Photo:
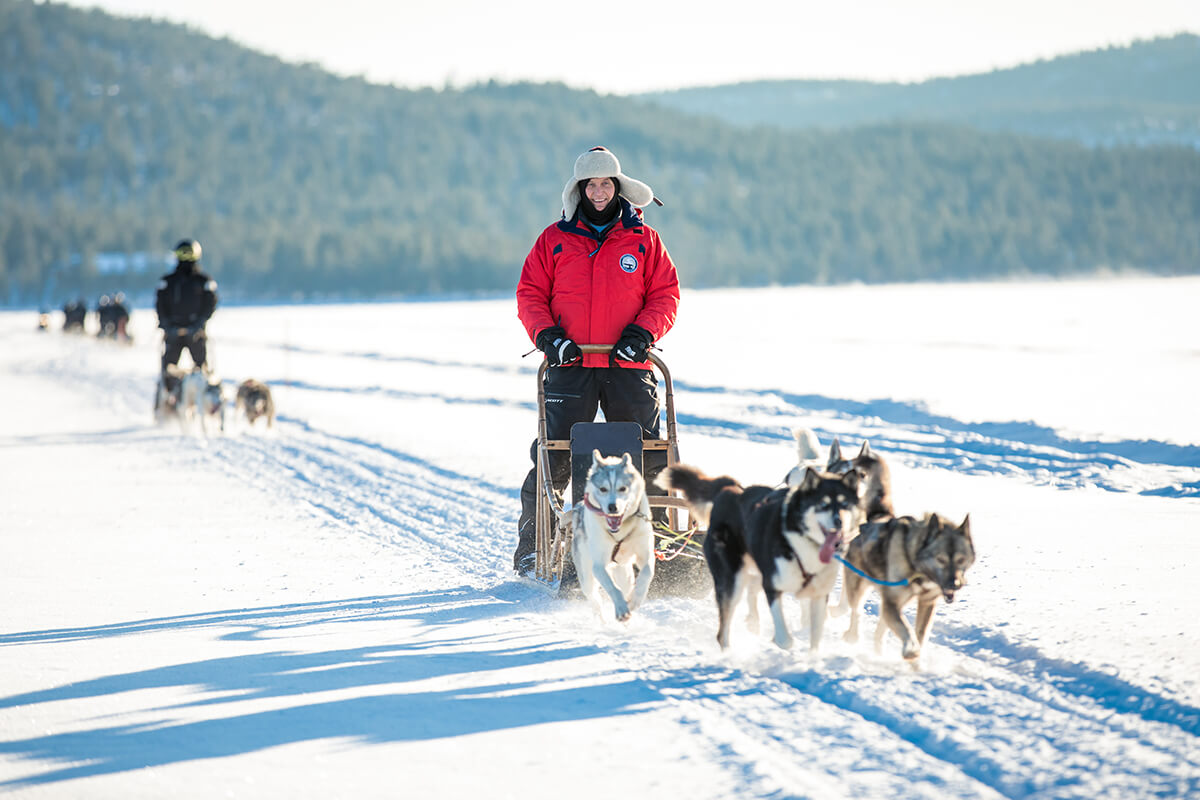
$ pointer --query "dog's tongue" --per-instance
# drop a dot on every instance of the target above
(614, 522)
(832, 540)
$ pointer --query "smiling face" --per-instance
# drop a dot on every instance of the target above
(600, 192)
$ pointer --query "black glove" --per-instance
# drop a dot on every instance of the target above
(634, 345)
(558, 348)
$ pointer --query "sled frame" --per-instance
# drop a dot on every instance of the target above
(551, 544)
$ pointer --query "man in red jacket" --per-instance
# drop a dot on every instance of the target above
(598, 276)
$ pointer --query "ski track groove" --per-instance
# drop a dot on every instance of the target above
(381, 500)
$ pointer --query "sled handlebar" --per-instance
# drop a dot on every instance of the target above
(601, 349)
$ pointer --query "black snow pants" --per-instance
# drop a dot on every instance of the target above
(196, 344)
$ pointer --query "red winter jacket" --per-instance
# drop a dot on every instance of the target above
(594, 288)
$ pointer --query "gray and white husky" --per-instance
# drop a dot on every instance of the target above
(779, 541)
(870, 466)
(927, 557)
(201, 396)
(612, 543)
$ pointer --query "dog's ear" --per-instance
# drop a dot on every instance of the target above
(865, 452)
(835, 452)
(596, 456)
(812, 479)
(854, 484)
(627, 460)
(966, 525)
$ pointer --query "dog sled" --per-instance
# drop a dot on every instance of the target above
(679, 556)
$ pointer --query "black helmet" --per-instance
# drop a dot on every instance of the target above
(188, 250)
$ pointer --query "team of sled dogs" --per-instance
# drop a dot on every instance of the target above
(199, 396)
(777, 541)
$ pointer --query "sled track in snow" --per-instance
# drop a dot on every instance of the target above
(907, 434)
(991, 719)
(393, 497)
(1009, 704)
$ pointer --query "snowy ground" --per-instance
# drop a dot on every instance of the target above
(328, 611)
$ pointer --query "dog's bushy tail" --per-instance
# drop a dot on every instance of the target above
(698, 489)
(695, 485)
(808, 446)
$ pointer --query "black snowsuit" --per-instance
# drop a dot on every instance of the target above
(185, 300)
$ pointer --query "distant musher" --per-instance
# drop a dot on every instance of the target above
(185, 301)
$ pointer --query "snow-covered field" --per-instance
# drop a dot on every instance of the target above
(328, 610)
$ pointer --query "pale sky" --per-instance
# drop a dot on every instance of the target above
(622, 47)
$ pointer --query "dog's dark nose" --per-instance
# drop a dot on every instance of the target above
(612, 508)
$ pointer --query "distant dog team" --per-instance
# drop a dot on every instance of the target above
(199, 396)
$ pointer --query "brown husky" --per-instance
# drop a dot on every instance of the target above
(913, 558)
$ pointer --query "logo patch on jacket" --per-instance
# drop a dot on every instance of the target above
(629, 262)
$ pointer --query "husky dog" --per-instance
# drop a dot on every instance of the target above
(166, 394)
(808, 452)
(781, 541)
(928, 557)
(610, 534)
(871, 468)
(201, 396)
(254, 401)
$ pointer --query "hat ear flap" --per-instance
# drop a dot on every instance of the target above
(570, 198)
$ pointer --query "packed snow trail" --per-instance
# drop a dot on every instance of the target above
(988, 714)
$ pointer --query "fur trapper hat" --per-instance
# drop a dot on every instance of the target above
(600, 163)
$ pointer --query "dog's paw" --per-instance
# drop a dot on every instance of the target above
(622, 612)
(911, 652)
(785, 641)
(850, 637)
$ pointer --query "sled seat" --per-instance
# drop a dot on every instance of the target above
(611, 439)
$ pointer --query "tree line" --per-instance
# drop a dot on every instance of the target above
(121, 135)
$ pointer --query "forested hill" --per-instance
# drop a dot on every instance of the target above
(1145, 93)
(121, 135)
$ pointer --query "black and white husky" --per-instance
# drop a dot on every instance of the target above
(779, 541)
(612, 543)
